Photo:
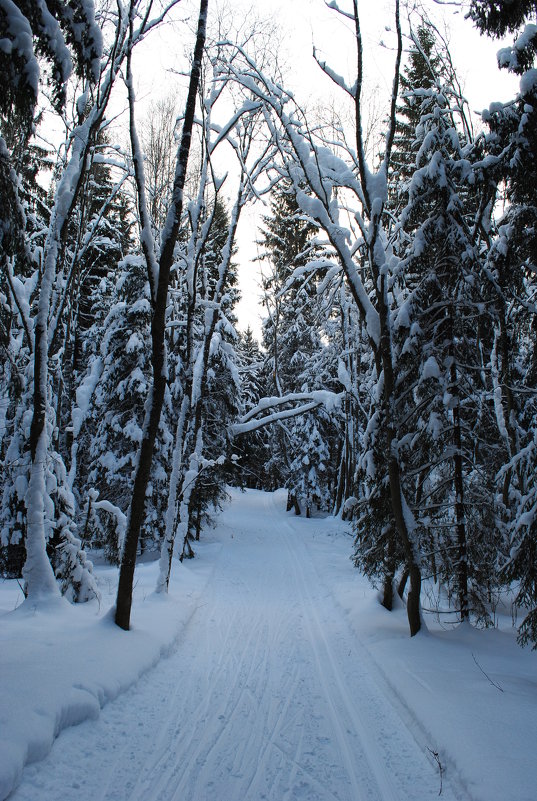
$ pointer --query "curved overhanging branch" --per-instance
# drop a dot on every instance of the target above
(307, 402)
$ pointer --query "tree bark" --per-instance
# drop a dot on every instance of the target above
(394, 472)
(402, 583)
(170, 233)
(389, 575)
(458, 481)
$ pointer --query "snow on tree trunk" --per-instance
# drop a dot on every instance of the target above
(37, 571)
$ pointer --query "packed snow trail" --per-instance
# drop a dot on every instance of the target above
(268, 695)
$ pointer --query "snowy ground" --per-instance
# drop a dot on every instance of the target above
(282, 680)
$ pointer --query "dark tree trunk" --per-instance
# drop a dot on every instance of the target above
(387, 592)
(402, 583)
(389, 576)
(394, 472)
(289, 505)
(137, 508)
(458, 480)
(341, 481)
(292, 503)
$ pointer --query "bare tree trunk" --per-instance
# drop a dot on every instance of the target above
(170, 232)
(458, 483)
(389, 575)
(402, 583)
(394, 472)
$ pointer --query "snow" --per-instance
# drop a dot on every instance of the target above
(84, 395)
(430, 369)
(21, 42)
(37, 572)
(43, 694)
(276, 674)
(343, 376)
(528, 82)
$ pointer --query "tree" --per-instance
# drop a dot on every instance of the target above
(207, 264)
(497, 18)
(63, 38)
(158, 139)
(46, 306)
(220, 390)
(159, 282)
(290, 330)
(252, 449)
(60, 38)
(421, 71)
(113, 428)
(376, 550)
(445, 357)
(511, 148)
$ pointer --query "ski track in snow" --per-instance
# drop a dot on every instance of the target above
(268, 695)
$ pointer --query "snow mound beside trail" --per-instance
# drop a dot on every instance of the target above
(61, 665)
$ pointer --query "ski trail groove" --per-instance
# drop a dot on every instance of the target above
(339, 703)
(267, 697)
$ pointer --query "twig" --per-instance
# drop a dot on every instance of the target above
(440, 768)
(486, 674)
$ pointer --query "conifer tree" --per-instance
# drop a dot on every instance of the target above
(422, 71)
(112, 432)
(62, 38)
(290, 330)
(511, 261)
(220, 403)
(251, 448)
(442, 383)
(376, 550)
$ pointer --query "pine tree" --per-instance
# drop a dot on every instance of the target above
(290, 330)
(310, 465)
(422, 71)
(377, 551)
(219, 393)
(62, 37)
(113, 430)
(497, 18)
(251, 448)
(99, 239)
(286, 239)
(511, 262)
(442, 361)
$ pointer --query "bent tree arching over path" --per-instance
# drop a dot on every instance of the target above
(268, 694)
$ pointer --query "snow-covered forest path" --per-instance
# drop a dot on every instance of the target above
(268, 695)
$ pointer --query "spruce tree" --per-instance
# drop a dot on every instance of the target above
(113, 430)
(422, 71)
(290, 330)
(442, 359)
(377, 551)
(511, 262)
(251, 448)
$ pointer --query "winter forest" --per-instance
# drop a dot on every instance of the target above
(392, 390)
(395, 383)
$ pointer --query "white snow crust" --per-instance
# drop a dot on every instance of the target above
(269, 672)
